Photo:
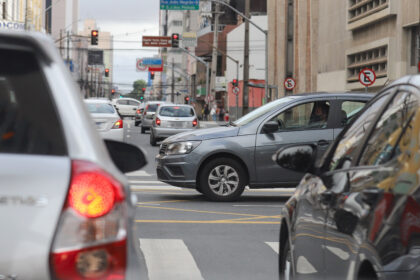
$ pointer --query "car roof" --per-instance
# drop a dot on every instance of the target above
(94, 100)
(335, 94)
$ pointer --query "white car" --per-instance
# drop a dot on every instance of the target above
(66, 209)
(106, 119)
(126, 107)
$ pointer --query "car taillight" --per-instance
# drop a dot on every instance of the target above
(138, 112)
(158, 121)
(118, 124)
(91, 239)
(145, 110)
(195, 122)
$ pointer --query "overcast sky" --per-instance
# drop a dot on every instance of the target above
(128, 21)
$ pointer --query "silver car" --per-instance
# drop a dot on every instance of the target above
(221, 161)
(66, 207)
(148, 113)
(172, 119)
(106, 119)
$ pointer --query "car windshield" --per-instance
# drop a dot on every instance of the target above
(152, 107)
(100, 108)
(261, 111)
(176, 111)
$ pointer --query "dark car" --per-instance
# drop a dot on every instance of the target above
(220, 162)
(356, 214)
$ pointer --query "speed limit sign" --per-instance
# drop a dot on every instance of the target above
(289, 83)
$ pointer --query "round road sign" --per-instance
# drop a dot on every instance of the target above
(210, 98)
(289, 83)
(367, 77)
(235, 90)
(140, 66)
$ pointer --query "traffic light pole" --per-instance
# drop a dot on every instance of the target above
(207, 71)
(173, 82)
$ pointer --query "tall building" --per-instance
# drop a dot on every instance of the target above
(324, 44)
(22, 14)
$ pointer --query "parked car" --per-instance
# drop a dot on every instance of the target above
(126, 107)
(148, 113)
(106, 119)
(139, 114)
(172, 119)
(66, 207)
(356, 213)
(220, 162)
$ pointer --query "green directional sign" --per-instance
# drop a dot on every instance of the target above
(179, 4)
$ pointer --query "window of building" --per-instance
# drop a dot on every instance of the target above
(415, 46)
(359, 9)
(176, 23)
(375, 59)
(3, 10)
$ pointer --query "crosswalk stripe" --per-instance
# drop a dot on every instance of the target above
(155, 187)
(139, 173)
(274, 246)
(169, 259)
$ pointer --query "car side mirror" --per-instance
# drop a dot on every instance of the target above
(270, 127)
(297, 158)
(126, 157)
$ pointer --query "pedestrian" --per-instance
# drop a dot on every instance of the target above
(213, 113)
(227, 116)
(221, 114)
(206, 112)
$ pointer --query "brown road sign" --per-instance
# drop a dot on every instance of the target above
(157, 41)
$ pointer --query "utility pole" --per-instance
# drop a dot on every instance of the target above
(68, 49)
(173, 82)
(245, 96)
(215, 46)
(26, 15)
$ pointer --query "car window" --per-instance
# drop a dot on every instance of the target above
(385, 138)
(176, 111)
(352, 139)
(100, 108)
(312, 115)
(29, 123)
(122, 102)
(133, 103)
(262, 111)
(152, 107)
(349, 110)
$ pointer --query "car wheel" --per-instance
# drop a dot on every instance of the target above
(222, 179)
(143, 130)
(153, 140)
(285, 262)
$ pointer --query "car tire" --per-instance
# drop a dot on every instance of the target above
(153, 139)
(285, 264)
(143, 130)
(222, 179)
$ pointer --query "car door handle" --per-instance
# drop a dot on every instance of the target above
(323, 143)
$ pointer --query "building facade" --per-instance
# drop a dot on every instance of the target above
(325, 44)
(22, 14)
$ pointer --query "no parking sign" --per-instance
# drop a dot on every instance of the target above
(367, 77)
(289, 83)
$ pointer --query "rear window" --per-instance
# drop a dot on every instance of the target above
(152, 107)
(176, 111)
(29, 123)
(100, 108)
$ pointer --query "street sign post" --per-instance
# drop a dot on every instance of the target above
(179, 4)
(236, 93)
(157, 41)
(367, 77)
(289, 83)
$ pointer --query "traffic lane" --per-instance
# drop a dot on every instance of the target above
(224, 238)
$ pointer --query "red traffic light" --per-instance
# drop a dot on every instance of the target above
(175, 36)
(106, 70)
(187, 98)
(143, 89)
(95, 33)
(113, 90)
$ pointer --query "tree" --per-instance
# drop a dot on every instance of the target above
(137, 89)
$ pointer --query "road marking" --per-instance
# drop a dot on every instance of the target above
(158, 202)
(155, 188)
(274, 246)
(200, 211)
(128, 136)
(250, 205)
(169, 259)
(207, 222)
(139, 173)
(147, 182)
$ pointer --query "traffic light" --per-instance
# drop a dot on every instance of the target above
(187, 99)
(112, 91)
(94, 37)
(106, 72)
(152, 75)
(144, 90)
(235, 83)
(175, 40)
(141, 98)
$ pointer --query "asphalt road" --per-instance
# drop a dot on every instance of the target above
(184, 236)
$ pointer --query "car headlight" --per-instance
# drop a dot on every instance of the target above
(180, 148)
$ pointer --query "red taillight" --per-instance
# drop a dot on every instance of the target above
(145, 110)
(118, 124)
(158, 122)
(195, 123)
(138, 112)
(90, 241)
